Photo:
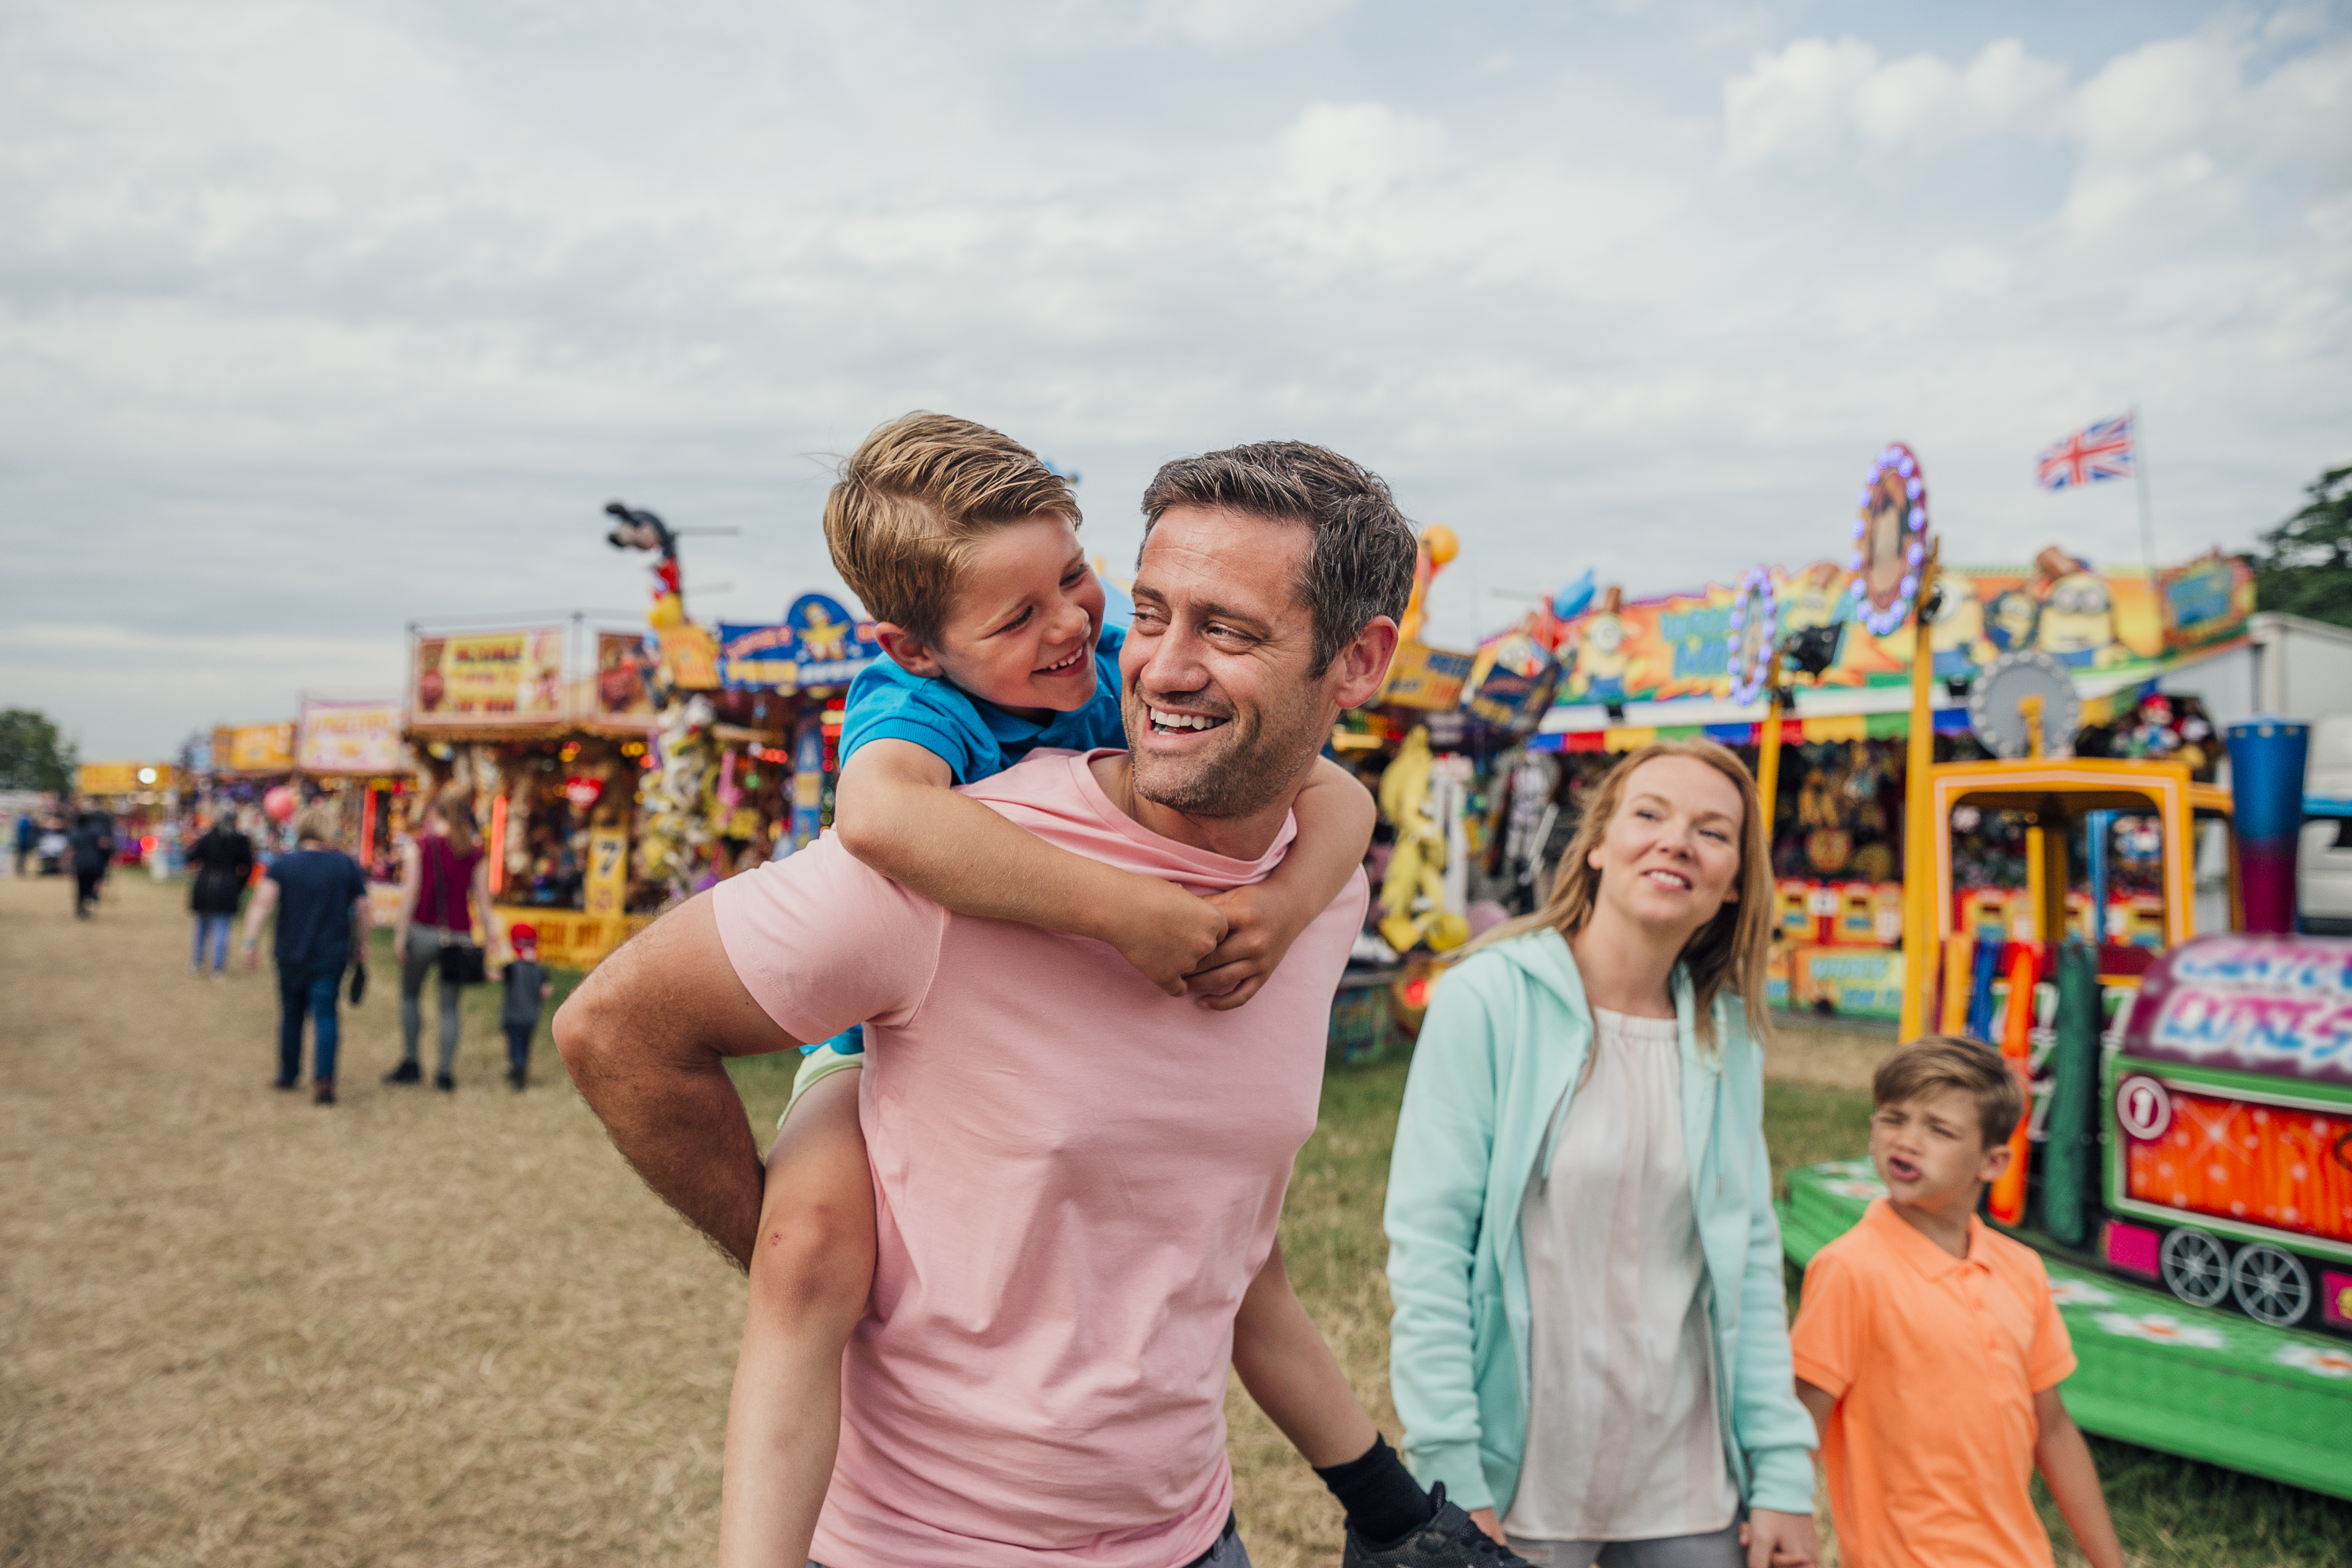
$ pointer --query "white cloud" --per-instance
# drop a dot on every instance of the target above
(1808, 96)
(1221, 22)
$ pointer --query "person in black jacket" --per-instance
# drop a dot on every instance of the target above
(222, 861)
(93, 852)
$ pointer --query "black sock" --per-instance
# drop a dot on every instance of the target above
(1384, 1503)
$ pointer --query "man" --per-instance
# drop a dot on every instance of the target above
(93, 852)
(320, 894)
(1077, 1178)
(28, 834)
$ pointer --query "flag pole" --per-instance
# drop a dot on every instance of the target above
(2146, 519)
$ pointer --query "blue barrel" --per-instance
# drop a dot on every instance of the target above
(2266, 758)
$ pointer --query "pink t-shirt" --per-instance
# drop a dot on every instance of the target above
(1076, 1178)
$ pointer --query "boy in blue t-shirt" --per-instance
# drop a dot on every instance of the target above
(964, 547)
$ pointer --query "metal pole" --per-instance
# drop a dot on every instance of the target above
(2147, 516)
(1920, 916)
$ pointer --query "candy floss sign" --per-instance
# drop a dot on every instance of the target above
(2279, 1004)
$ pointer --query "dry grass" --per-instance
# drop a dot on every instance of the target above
(417, 1329)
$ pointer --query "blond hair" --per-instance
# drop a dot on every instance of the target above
(908, 505)
(1730, 953)
(1947, 1061)
(316, 822)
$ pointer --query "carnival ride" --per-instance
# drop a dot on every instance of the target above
(2186, 1168)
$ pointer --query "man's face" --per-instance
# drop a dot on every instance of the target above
(1221, 714)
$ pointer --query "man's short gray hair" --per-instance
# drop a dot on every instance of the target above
(1361, 563)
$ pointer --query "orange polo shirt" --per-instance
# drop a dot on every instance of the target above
(1934, 1361)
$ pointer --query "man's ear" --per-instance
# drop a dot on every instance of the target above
(1363, 664)
(910, 653)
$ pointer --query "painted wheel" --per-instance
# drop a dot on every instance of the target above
(2196, 1267)
(2272, 1286)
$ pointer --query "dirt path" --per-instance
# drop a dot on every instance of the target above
(236, 1328)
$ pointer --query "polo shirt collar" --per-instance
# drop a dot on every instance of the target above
(1932, 1261)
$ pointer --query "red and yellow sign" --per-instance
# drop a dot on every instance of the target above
(349, 737)
(488, 678)
(122, 778)
(257, 749)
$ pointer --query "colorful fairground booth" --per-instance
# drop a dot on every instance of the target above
(616, 770)
(142, 798)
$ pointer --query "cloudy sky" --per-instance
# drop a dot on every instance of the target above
(318, 318)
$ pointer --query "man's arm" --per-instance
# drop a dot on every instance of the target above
(2067, 1470)
(1336, 815)
(256, 913)
(646, 1037)
(1288, 1369)
(896, 812)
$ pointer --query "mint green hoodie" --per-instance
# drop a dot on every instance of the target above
(1503, 1046)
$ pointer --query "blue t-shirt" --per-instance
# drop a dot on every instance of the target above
(977, 739)
(316, 891)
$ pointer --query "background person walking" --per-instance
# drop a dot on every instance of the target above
(443, 885)
(320, 894)
(527, 989)
(93, 852)
(222, 861)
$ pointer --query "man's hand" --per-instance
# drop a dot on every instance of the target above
(1780, 1539)
(1260, 926)
(1165, 931)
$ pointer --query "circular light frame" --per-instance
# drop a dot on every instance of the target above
(1883, 619)
(1757, 599)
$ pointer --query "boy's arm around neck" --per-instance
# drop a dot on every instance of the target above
(897, 810)
(1336, 815)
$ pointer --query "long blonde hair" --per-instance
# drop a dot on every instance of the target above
(454, 810)
(1731, 951)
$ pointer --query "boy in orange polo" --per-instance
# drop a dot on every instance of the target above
(1928, 1348)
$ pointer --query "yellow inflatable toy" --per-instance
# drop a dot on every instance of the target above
(1413, 893)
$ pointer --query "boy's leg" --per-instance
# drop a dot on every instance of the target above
(519, 1051)
(811, 1273)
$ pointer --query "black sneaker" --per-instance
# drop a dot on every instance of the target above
(1449, 1539)
(406, 1072)
(323, 1093)
(445, 1082)
(515, 1077)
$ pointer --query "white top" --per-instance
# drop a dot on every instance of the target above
(1622, 1439)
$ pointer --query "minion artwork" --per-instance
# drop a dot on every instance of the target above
(1814, 597)
(1957, 632)
(2078, 615)
(1601, 657)
(2011, 620)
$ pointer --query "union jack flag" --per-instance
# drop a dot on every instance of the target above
(2103, 451)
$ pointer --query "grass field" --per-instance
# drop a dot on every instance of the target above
(419, 1328)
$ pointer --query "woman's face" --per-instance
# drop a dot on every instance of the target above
(1670, 860)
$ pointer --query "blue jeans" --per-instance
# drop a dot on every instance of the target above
(307, 989)
(214, 930)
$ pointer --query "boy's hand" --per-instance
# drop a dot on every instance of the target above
(1780, 1539)
(1260, 926)
(1167, 932)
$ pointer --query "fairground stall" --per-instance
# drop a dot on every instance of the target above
(142, 798)
(252, 778)
(1693, 664)
(350, 757)
(547, 726)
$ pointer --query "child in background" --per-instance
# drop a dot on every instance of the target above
(1927, 1345)
(963, 545)
(526, 990)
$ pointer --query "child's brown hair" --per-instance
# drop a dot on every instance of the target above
(1946, 1061)
(907, 504)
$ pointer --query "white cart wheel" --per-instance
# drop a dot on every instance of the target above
(2273, 1287)
(2196, 1267)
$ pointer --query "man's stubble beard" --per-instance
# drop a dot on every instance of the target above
(1241, 775)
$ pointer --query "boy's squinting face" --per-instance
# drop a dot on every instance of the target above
(1930, 1150)
(1021, 630)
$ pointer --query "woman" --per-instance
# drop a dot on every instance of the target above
(444, 884)
(223, 862)
(1590, 1347)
